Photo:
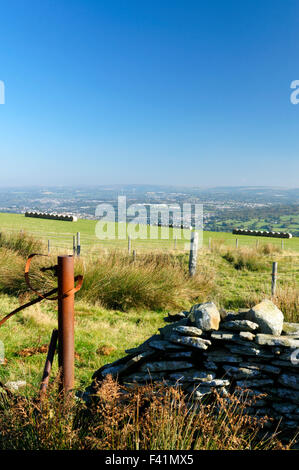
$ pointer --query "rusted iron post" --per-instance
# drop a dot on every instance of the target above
(66, 348)
(49, 362)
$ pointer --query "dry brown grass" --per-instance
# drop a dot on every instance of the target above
(152, 417)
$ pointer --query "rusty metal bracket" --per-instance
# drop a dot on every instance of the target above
(47, 295)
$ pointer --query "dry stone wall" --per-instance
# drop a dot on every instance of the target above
(201, 350)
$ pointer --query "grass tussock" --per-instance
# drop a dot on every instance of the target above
(247, 259)
(153, 281)
(153, 417)
(21, 243)
(287, 300)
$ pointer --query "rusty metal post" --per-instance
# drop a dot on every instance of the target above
(49, 362)
(66, 348)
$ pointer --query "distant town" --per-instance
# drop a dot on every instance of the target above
(224, 208)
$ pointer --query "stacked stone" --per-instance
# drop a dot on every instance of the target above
(201, 351)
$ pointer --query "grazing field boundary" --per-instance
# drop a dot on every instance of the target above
(60, 234)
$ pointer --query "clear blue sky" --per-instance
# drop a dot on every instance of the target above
(162, 92)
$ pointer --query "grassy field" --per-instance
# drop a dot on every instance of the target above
(61, 234)
(123, 302)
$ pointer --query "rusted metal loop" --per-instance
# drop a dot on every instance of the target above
(78, 279)
(27, 267)
(22, 307)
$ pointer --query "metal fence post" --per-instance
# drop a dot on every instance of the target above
(274, 278)
(193, 253)
(74, 245)
(129, 244)
(49, 362)
(66, 348)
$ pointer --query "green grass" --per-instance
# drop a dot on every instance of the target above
(122, 303)
(61, 234)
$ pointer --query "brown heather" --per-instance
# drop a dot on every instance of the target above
(152, 417)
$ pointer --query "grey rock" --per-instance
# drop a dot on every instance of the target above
(15, 385)
(290, 329)
(239, 325)
(289, 380)
(218, 383)
(249, 351)
(234, 337)
(121, 369)
(168, 330)
(267, 316)
(221, 355)
(163, 345)
(210, 365)
(284, 408)
(199, 393)
(188, 330)
(176, 316)
(262, 367)
(160, 366)
(241, 372)
(179, 355)
(193, 376)
(286, 394)
(240, 315)
(254, 383)
(140, 377)
(205, 316)
(193, 342)
(270, 340)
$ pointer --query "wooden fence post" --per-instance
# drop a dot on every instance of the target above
(78, 244)
(134, 255)
(274, 278)
(237, 243)
(282, 244)
(193, 253)
(74, 245)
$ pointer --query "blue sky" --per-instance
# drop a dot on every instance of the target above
(161, 92)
